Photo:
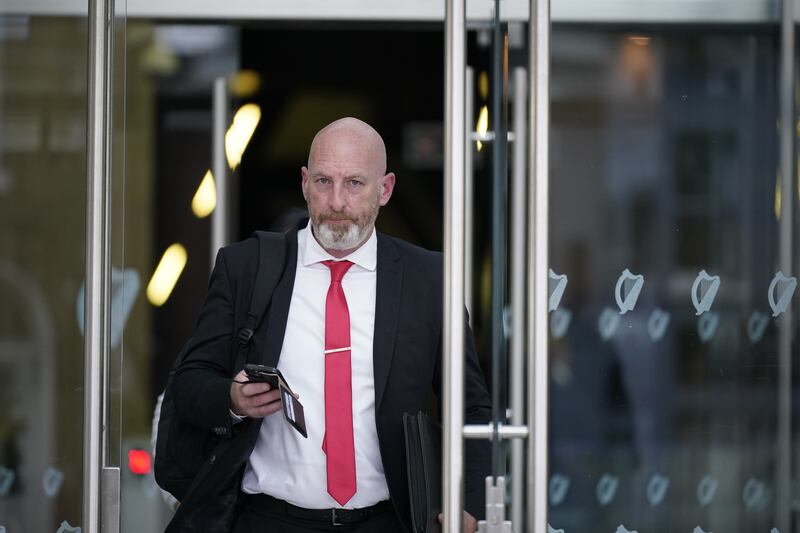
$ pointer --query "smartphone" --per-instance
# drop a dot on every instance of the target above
(266, 374)
(291, 407)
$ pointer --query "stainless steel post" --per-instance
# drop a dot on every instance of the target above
(220, 224)
(469, 187)
(538, 239)
(98, 257)
(518, 295)
(453, 337)
(786, 173)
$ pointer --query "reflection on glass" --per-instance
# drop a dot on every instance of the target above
(166, 275)
(42, 253)
(51, 481)
(205, 199)
(238, 135)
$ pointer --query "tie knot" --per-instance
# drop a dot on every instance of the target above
(338, 269)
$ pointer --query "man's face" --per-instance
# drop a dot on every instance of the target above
(344, 188)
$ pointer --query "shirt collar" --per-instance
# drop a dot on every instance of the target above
(365, 256)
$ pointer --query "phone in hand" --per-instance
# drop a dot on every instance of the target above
(265, 374)
(291, 407)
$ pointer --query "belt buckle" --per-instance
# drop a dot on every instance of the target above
(333, 518)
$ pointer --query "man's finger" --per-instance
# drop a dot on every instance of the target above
(264, 398)
(266, 410)
(252, 389)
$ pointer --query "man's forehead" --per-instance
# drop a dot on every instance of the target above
(343, 156)
(324, 166)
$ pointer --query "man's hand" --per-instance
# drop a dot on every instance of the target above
(470, 524)
(255, 400)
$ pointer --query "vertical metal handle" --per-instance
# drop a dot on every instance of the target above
(469, 185)
(538, 229)
(219, 167)
(453, 337)
(786, 173)
(98, 256)
(518, 295)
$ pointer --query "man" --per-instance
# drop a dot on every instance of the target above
(355, 328)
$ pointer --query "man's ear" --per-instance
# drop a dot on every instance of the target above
(304, 181)
(387, 186)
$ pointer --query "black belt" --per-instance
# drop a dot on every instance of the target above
(336, 517)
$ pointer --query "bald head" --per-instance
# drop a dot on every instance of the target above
(345, 184)
(358, 136)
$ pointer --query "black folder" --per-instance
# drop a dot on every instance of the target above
(424, 454)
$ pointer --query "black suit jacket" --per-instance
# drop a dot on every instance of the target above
(407, 366)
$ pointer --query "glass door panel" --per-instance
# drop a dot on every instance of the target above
(668, 300)
(43, 95)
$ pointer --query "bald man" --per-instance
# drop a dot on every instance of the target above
(355, 328)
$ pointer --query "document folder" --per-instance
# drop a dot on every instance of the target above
(424, 458)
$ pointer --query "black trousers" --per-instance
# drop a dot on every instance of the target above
(262, 521)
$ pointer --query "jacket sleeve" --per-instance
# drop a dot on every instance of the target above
(477, 410)
(202, 382)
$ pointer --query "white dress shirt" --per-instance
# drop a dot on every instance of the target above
(283, 464)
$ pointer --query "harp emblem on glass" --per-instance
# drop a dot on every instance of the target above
(631, 284)
(559, 322)
(754, 493)
(708, 287)
(52, 480)
(657, 324)
(6, 480)
(124, 289)
(608, 323)
(557, 284)
(66, 528)
(706, 490)
(559, 485)
(657, 489)
(788, 284)
(757, 326)
(707, 326)
(606, 489)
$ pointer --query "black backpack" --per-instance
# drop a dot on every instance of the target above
(182, 449)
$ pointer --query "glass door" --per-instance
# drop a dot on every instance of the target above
(673, 274)
(43, 122)
(670, 286)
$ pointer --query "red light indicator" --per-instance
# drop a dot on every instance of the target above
(139, 462)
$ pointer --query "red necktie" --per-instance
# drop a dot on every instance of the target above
(338, 442)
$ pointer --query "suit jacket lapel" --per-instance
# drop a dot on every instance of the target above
(279, 308)
(387, 302)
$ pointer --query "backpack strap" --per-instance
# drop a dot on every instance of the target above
(271, 263)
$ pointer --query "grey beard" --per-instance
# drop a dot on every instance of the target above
(338, 240)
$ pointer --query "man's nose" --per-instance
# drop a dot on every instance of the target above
(337, 200)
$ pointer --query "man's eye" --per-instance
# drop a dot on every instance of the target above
(323, 181)
(356, 183)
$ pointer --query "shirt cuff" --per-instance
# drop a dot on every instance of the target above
(236, 418)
